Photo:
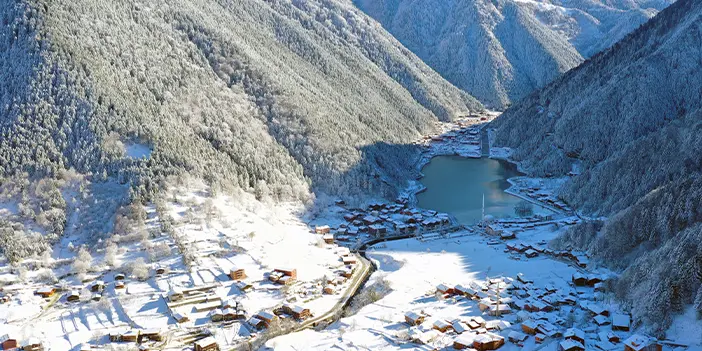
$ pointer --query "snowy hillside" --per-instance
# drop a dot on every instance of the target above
(255, 94)
(629, 120)
(499, 51)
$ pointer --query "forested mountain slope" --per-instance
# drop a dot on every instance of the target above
(267, 95)
(594, 25)
(630, 118)
(500, 51)
(496, 50)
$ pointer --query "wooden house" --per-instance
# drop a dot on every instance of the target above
(349, 259)
(152, 334)
(596, 309)
(7, 343)
(206, 344)
(130, 335)
(237, 274)
(621, 322)
(441, 325)
(243, 286)
(287, 272)
(216, 315)
(97, 296)
(575, 334)
(328, 238)
(579, 279)
(531, 253)
(463, 342)
(175, 294)
(638, 342)
(120, 284)
(328, 289)
(97, 286)
(297, 312)
(368, 220)
(593, 279)
(120, 276)
(570, 345)
(266, 317)
(33, 345)
(444, 289)
(488, 341)
(608, 336)
(601, 320)
(516, 337)
(180, 318)
(46, 292)
(322, 229)
(529, 326)
(458, 326)
(286, 280)
(159, 270)
(257, 323)
(413, 318)
(229, 314)
(73, 296)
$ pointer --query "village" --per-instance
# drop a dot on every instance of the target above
(242, 279)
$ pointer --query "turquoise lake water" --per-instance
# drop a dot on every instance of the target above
(456, 185)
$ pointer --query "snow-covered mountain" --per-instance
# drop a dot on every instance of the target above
(594, 25)
(258, 94)
(630, 119)
(501, 50)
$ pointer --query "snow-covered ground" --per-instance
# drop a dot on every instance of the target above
(218, 233)
(414, 269)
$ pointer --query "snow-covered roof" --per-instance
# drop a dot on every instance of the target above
(515, 335)
(465, 339)
(45, 290)
(569, 344)
(265, 315)
(440, 323)
(574, 332)
(487, 337)
(205, 342)
(601, 320)
(638, 342)
(621, 320)
(412, 315)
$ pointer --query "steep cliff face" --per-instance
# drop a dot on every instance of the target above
(630, 118)
(258, 94)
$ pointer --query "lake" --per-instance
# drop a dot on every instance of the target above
(456, 185)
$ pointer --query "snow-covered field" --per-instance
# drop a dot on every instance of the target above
(217, 233)
(414, 270)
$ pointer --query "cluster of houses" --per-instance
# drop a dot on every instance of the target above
(532, 306)
(463, 131)
(136, 335)
(283, 276)
(532, 250)
(8, 343)
(546, 197)
(380, 219)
